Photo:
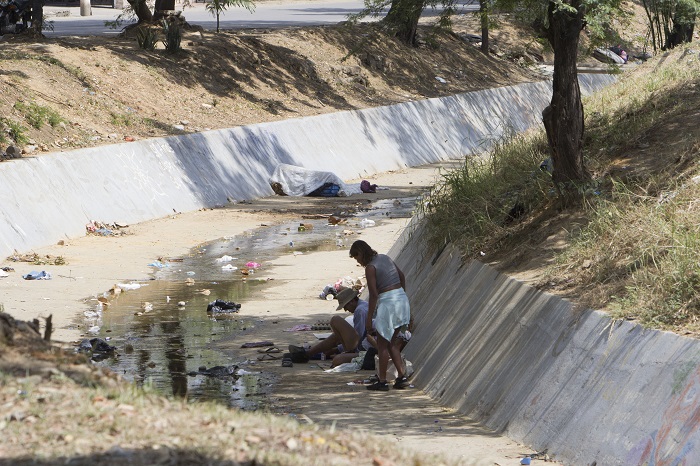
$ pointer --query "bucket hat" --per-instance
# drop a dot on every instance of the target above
(344, 297)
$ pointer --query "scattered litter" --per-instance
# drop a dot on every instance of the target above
(181, 304)
(225, 258)
(4, 274)
(257, 344)
(252, 265)
(34, 275)
(365, 222)
(129, 286)
(345, 367)
(146, 306)
(440, 80)
(328, 290)
(35, 259)
(105, 229)
(367, 187)
(220, 306)
(229, 267)
(158, 264)
(299, 328)
(190, 272)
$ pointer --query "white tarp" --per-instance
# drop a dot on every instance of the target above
(298, 181)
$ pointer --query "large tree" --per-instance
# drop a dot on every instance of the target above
(563, 117)
(561, 23)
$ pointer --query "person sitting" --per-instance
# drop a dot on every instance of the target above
(346, 340)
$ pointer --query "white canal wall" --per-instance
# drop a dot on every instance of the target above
(533, 367)
(525, 363)
(50, 197)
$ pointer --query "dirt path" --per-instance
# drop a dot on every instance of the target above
(95, 263)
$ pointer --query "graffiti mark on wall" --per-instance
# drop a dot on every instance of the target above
(675, 442)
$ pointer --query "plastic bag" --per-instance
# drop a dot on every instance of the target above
(345, 367)
(391, 372)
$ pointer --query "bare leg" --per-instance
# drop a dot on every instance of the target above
(346, 332)
(395, 353)
(343, 333)
(342, 358)
(325, 345)
(383, 353)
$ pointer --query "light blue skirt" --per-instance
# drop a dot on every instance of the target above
(393, 311)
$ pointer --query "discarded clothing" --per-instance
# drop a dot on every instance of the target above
(367, 187)
(220, 306)
(34, 275)
(290, 180)
(299, 328)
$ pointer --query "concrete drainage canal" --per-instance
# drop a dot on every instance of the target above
(164, 333)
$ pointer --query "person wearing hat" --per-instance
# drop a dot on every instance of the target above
(346, 340)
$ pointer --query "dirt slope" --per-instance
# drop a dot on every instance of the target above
(102, 90)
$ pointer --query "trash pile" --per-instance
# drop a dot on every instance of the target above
(105, 229)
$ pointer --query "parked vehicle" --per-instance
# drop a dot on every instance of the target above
(15, 15)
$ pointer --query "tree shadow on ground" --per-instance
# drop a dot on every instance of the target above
(233, 63)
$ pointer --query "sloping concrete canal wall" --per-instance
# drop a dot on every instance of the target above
(533, 367)
(51, 197)
(526, 363)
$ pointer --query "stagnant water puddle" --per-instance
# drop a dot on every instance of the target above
(164, 336)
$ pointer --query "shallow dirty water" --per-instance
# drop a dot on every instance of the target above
(171, 347)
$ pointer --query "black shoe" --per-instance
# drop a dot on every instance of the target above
(372, 379)
(401, 383)
(297, 357)
(296, 349)
(379, 386)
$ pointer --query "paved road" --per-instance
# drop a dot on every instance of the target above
(266, 15)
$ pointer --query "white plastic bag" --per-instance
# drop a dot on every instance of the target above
(391, 372)
(345, 367)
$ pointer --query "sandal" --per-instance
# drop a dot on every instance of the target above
(287, 360)
(268, 357)
(273, 349)
(379, 386)
(401, 383)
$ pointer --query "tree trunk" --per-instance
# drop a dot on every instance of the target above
(563, 118)
(484, 17)
(683, 26)
(141, 10)
(403, 17)
(37, 16)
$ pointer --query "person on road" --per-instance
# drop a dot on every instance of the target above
(346, 340)
(389, 310)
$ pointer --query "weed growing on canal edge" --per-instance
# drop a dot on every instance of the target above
(634, 247)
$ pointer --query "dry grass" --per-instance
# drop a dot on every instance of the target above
(58, 409)
(632, 247)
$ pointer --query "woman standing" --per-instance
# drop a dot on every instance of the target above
(388, 308)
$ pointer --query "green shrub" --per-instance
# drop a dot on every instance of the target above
(147, 38)
(173, 34)
(36, 115)
(16, 131)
